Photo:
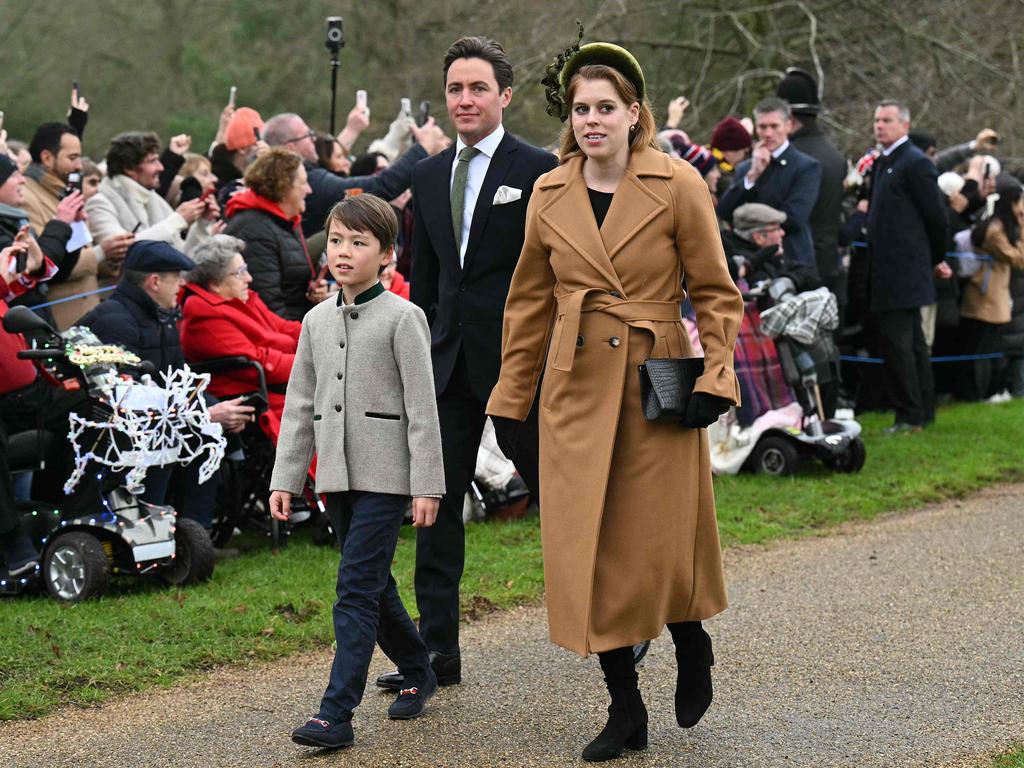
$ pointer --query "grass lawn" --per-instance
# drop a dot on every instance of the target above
(1011, 758)
(264, 605)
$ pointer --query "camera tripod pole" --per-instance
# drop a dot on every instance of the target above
(335, 63)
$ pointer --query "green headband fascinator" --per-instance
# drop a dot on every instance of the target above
(560, 71)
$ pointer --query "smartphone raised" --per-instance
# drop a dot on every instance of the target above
(406, 107)
(424, 114)
(361, 101)
(1, 119)
(74, 183)
(231, 96)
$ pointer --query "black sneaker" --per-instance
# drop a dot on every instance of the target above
(412, 702)
(318, 732)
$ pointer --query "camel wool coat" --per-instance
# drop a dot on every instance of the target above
(628, 527)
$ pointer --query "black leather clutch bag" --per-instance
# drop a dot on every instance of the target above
(666, 385)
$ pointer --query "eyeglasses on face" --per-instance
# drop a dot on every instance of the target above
(309, 135)
(241, 272)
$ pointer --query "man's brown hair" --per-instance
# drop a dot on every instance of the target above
(369, 214)
(481, 48)
(273, 173)
(128, 150)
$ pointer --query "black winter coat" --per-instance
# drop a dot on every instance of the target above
(906, 230)
(131, 319)
(811, 140)
(277, 260)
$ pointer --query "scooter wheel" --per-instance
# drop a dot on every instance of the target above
(193, 554)
(75, 567)
(775, 456)
(850, 461)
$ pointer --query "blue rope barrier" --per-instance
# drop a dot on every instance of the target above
(937, 359)
(949, 254)
(72, 298)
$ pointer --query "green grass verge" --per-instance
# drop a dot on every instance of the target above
(264, 606)
(1011, 758)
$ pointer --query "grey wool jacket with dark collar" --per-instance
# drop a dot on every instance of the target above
(361, 395)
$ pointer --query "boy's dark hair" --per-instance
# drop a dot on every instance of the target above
(48, 137)
(482, 48)
(128, 150)
(366, 213)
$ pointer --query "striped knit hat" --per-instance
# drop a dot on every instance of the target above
(699, 157)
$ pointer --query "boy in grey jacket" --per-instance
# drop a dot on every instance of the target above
(361, 396)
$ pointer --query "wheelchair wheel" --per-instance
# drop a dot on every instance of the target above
(850, 461)
(193, 554)
(775, 455)
(75, 567)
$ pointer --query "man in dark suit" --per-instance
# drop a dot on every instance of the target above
(800, 90)
(778, 175)
(470, 203)
(906, 245)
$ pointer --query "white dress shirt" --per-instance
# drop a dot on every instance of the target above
(477, 171)
(895, 145)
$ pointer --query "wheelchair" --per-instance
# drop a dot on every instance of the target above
(244, 491)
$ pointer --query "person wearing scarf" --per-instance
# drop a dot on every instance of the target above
(267, 216)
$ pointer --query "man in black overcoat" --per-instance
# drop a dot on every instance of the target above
(906, 242)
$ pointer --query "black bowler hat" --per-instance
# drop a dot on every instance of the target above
(800, 90)
(156, 256)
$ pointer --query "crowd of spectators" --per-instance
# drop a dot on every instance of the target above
(921, 245)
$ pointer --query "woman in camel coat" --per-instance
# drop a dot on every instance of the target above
(986, 303)
(630, 539)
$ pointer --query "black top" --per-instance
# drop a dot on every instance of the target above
(600, 202)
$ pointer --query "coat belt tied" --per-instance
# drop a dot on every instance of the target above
(638, 313)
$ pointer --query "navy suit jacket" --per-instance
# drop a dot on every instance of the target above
(906, 230)
(464, 304)
(790, 184)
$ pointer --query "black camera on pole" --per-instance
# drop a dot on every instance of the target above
(334, 43)
(335, 34)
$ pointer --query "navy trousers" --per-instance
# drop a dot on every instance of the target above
(368, 608)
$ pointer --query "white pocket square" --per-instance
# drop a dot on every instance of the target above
(506, 195)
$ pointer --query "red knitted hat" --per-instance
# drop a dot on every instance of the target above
(239, 133)
(730, 134)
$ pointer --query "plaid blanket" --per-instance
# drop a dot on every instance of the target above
(762, 385)
(804, 317)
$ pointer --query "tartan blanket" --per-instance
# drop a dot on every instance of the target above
(762, 385)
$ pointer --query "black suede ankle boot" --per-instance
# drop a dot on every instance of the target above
(694, 660)
(627, 715)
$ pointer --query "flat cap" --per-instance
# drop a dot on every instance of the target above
(753, 216)
(156, 256)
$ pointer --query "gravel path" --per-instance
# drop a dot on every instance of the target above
(899, 643)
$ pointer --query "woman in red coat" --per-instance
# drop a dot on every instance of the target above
(223, 318)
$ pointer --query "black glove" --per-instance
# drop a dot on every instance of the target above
(704, 409)
(506, 432)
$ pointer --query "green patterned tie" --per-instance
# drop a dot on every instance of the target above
(459, 192)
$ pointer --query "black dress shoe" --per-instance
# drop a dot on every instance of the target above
(447, 667)
(318, 732)
(412, 702)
